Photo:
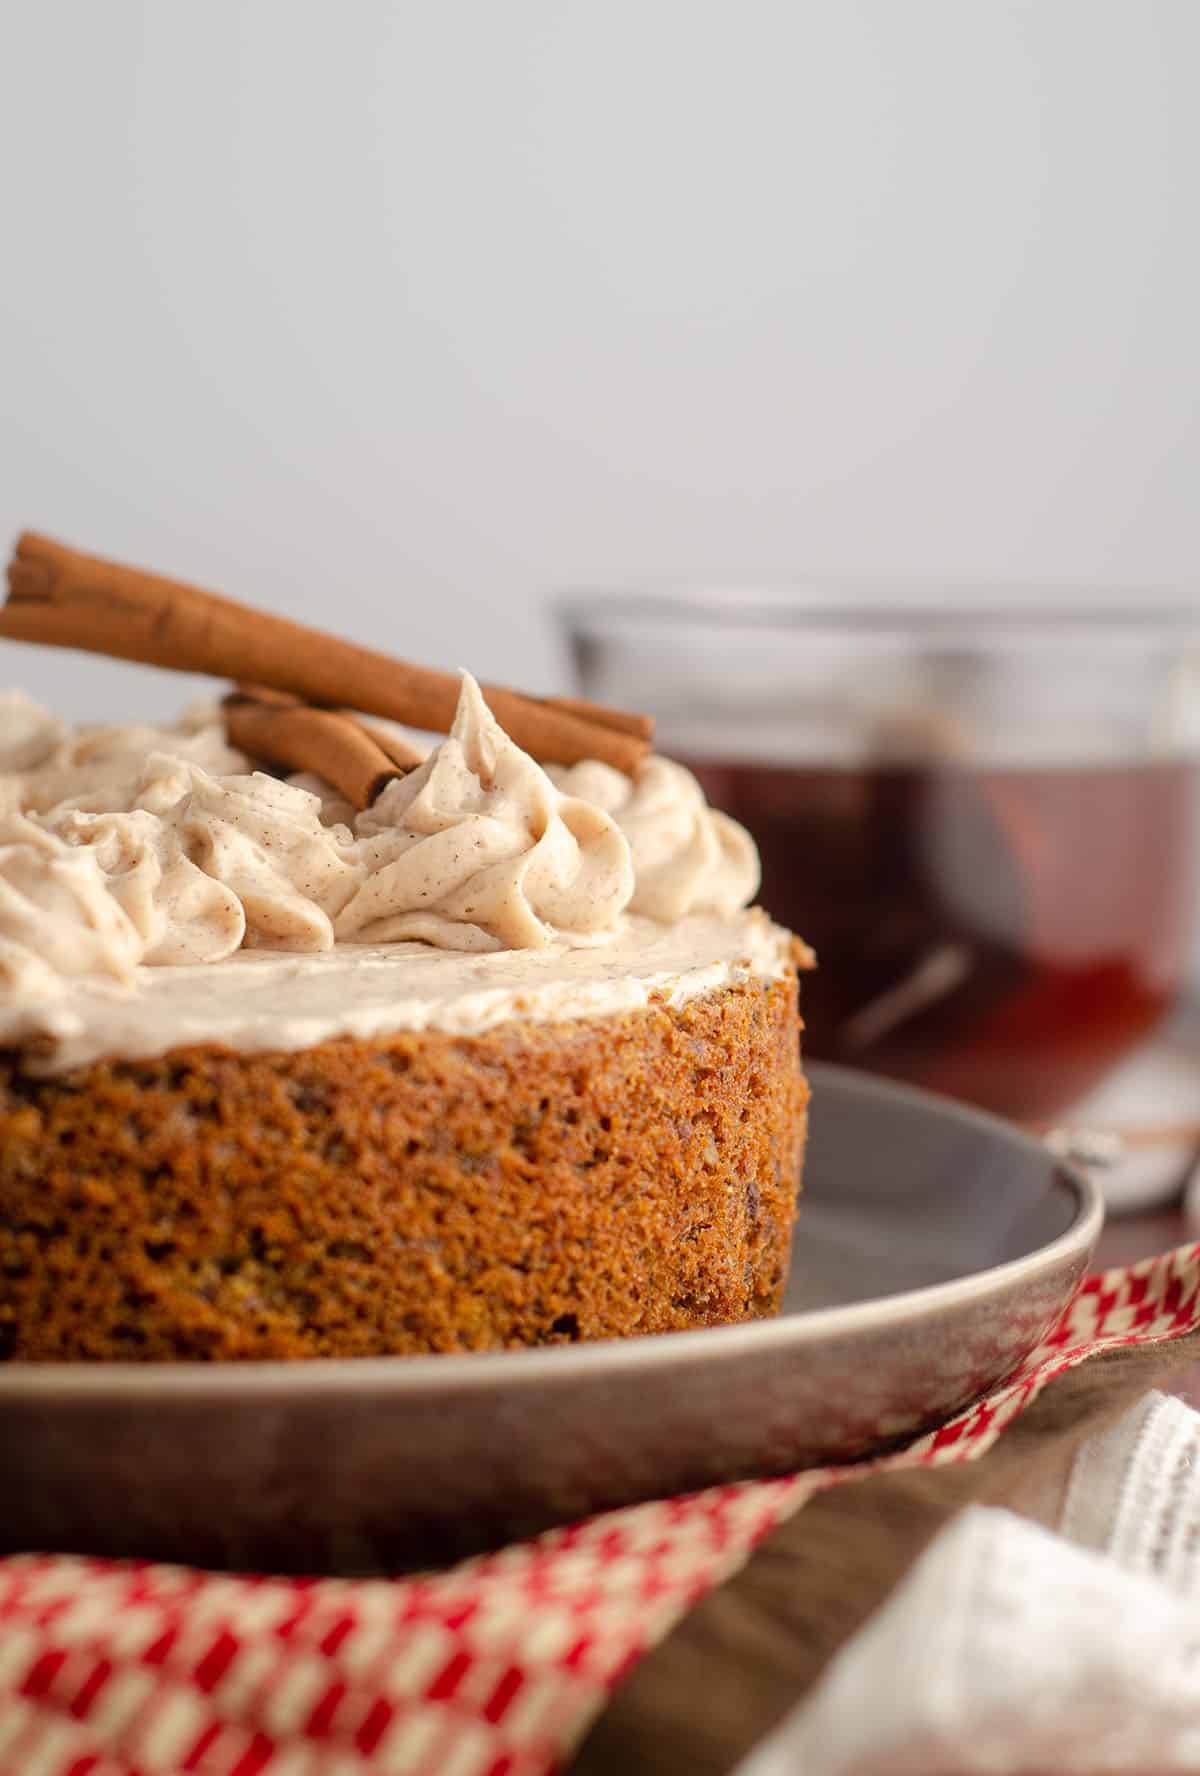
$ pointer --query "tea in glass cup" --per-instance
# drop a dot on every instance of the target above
(979, 808)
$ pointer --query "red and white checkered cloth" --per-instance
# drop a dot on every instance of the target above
(494, 1668)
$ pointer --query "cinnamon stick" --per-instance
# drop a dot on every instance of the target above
(621, 721)
(326, 741)
(64, 598)
(403, 754)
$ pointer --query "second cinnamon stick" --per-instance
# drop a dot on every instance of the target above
(307, 739)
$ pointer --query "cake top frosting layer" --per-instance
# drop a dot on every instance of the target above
(146, 866)
(273, 999)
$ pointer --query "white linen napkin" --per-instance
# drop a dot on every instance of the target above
(1012, 1648)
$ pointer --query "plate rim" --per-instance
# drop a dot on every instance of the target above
(189, 1383)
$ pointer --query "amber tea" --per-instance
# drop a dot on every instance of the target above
(1004, 935)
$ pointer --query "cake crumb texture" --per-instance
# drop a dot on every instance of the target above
(535, 1184)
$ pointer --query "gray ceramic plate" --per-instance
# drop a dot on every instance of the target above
(935, 1247)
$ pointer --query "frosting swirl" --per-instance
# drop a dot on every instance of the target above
(687, 857)
(477, 850)
(102, 767)
(56, 914)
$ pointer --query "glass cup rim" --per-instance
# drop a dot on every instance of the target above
(862, 604)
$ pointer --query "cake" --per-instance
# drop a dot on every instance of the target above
(505, 1058)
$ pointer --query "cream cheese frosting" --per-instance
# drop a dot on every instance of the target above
(479, 886)
(272, 999)
(477, 850)
(687, 857)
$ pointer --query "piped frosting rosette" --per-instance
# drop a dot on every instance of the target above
(687, 857)
(477, 850)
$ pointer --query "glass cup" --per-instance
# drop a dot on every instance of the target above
(978, 805)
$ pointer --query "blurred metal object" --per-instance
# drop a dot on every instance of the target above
(1097, 1149)
(1139, 1129)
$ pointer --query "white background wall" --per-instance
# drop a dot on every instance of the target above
(398, 314)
